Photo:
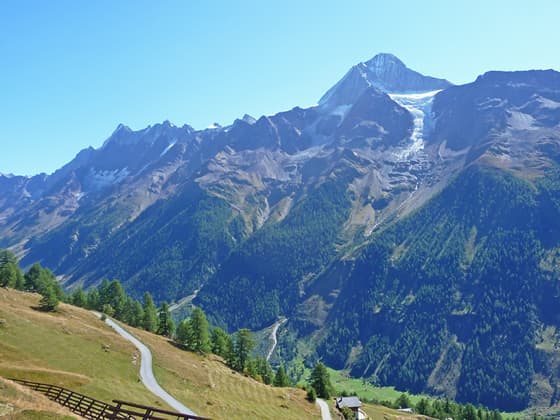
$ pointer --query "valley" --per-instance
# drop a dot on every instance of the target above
(404, 230)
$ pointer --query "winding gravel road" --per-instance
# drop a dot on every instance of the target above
(146, 371)
(149, 381)
(325, 412)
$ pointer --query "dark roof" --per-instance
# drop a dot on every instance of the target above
(350, 402)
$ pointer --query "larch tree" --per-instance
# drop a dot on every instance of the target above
(320, 381)
(150, 321)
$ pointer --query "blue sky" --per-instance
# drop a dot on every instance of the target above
(72, 70)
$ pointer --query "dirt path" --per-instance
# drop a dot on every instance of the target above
(146, 371)
(325, 412)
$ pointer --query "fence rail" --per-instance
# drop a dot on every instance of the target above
(93, 409)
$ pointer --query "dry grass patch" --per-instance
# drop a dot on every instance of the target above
(18, 402)
(213, 390)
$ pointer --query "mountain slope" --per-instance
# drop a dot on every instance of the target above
(453, 299)
(406, 227)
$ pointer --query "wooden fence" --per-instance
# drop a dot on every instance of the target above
(90, 408)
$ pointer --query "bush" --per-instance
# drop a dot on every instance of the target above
(311, 394)
(347, 413)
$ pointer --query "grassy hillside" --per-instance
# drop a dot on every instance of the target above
(70, 348)
(73, 349)
(212, 389)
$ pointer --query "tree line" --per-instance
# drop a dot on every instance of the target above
(192, 334)
(195, 334)
(37, 279)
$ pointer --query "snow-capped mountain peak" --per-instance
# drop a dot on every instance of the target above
(384, 72)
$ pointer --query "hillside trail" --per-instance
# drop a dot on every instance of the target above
(325, 412)
(146, 371)
(149, 381)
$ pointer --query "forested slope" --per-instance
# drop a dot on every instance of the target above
(452, 299)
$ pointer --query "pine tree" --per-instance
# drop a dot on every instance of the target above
(281, 379)
(166, 325)
(49, 301)
(38, 279)
(20, 280)
(244, 344)
(403, 401)
(230, 355)
(252, 370)
(104, 294)
(8, 275)
(423, 407)
(183, 334)
(137, 314)
(264, 370)
(150, 321)
(108, 310)
(218, 342)
(320, 381)
(199, 326)
(34, 278)
(311, 395)
(93, 299)
(116, 297)
(79, 298)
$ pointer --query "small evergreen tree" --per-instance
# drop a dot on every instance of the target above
(104, 293)
(116, 297)
(34, 278)
(423, 407)
(20, 280)
(320, 381)
(199, 326)
(79, 298)
(230, 355)
(264, 370)
(7, 256)
(108, 310)
(281, 379)
(243, 345)
(184, 333)
(311, 394)
(166, 326)
(252, 370)
(150, 321)
(137, 314)
(8, 275)
(93, 299)
(403, 401)
(218, 342)
(49, 301)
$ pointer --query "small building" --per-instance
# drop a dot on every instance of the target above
(353, 403)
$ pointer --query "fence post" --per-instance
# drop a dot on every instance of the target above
(116, 409)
